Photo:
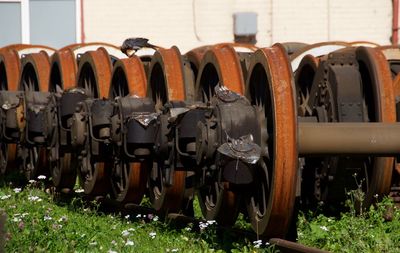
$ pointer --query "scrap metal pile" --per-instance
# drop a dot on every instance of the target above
(244, 129)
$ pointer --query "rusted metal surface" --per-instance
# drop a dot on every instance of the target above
(385, 110)
(95, 72)
(271, 86)
(220, 65)
(380, 139)
(285, 246)
(316, 50)
(63, 70)
(129, 78)
(201, 124)
(35, 72)
(165, 83)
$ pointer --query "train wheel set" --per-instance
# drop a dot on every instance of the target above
(244, 129)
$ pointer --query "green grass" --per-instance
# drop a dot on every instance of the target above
(36, 222)
(374, 230)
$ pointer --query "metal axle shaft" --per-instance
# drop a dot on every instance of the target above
(356, 138)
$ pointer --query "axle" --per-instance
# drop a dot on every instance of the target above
(348, 138)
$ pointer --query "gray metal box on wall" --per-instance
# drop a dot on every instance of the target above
(245, 23)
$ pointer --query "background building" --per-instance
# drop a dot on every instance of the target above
(192, 23)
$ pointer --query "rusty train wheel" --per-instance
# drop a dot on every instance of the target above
(376, 78)
(35, 77)
(10, 66)
(165, 83)
(63, 73)
(94, 75)
(220, 65)
(270, 86)
(128, 180)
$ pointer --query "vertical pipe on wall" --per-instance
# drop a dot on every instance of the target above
(82, 23)
(395, 23)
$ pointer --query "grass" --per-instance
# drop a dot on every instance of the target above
(37, 222)
(373, 230)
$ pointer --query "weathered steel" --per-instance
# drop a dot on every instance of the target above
(128, 178)
(270, 87)
(378, 139)
(285, 246)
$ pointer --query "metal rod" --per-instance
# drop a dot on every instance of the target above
(292, 247)
(349, 138)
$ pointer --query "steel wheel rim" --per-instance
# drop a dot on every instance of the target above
(384, 106)
(166, 82)
(219, 64)
(128, 180)
(94, 75)
(274, 220)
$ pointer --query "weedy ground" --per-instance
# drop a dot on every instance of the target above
(39, 221)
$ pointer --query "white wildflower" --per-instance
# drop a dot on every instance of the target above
(34, 198)
(155, 218)
(210, 222)
(129, 243)
(127, 216)
(203, 225)
(16, 219)
(125, 233)
(111, 251)
(47, 217)
(174, 250)
(257, 244)
(324, 228)
(79, 190)
(32, 181)
(139, 216)
(41, 177)
(94, 243)
(188, 229)
(17, 190)
(4, 197)
(131, 229)
(152, 235)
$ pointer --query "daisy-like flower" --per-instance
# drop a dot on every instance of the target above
(129, 243)
(152, 235)
(203, 225)
(47, 217)
(131, 229)
(257, 244)
(17, 190)
(155, 218)
(174, 250)
(34, 198)
(127, 216)
(41, 177)
(125, 233)
(16, 219)
(32, 181)
(139, 216)
(211, 222)
(324, 228)
(4, 197)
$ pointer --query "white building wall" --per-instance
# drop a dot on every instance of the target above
(192, 23)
